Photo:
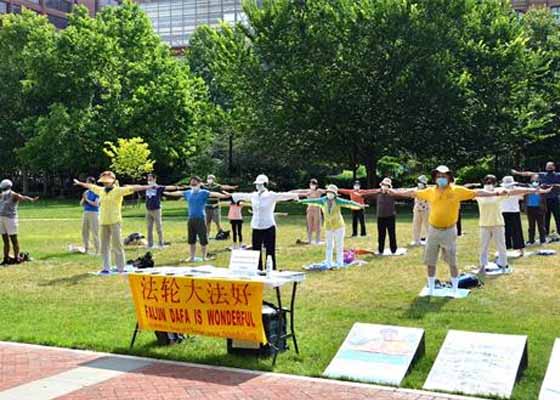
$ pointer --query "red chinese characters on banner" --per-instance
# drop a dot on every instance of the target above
(214, 307)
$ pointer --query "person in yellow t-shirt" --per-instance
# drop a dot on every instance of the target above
(445, 200)
(110, 219)
(492, 224)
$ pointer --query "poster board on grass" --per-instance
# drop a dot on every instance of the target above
(478, 364)
(550, 389)
(377, 353)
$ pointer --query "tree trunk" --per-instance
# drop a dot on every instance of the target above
(371, 170)
(230, 155)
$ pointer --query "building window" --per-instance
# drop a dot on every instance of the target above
(555, 12)
(3, 8)
(60, 5)
(59, 22)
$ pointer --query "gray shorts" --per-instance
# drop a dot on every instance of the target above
(444, 240)
(197, 228)
(212, 215)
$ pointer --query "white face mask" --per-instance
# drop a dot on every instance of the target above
(151, 183)
(210, 181)
(260, 187)
(421, 185)
(313, 187)
(195, 188)
(330, 196)
(356, 187)
(488, 187)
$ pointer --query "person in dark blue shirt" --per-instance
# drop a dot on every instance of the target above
(153, 210)
(197, 199)
(90, 218)
(548, 178)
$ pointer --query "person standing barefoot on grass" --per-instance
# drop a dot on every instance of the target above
(445, 199)
(9, 201)
(334, 223)
(313, 214)
(197, 199)
(90, 218)
(110, 202)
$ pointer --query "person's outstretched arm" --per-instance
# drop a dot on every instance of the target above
(522, 192)
(178, 194)
(312, 202)
(228, 187)
(221, 196)
(407, 193)
(22, 197)
(137, 188)
(350, 204)
(523, 173)
(286, 196)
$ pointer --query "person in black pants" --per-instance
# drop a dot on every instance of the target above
(265, 238)
(386, 217)
(358, 218)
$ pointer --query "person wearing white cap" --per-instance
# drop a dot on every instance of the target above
(110, 202)
(511, 211)
(263, 223)
(9, 201)
(212, 209)
(420, 214)
(445, 199)
(334, 223)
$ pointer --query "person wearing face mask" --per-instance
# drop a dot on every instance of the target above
(153, 210)
(9, 201)
(444, 199)
(263, 223)
(357, 195)
(548, 178)
(334, 223)
(420, 214)
(492, 223)
(90, 218)
(535, 205)
(111, 197)
(213, 212)
(197, 198)
(511, 212)
(313, 214)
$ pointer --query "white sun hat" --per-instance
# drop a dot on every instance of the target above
(261, 179)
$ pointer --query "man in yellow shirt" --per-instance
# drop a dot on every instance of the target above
(110, 202)
(445, 200)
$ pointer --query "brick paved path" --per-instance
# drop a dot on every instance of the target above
(30, 372)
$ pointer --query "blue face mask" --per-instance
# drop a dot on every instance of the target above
(442, 182)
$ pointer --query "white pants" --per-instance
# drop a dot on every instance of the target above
(335, 239)
(111, 241)
(498, 235)
(420, 224)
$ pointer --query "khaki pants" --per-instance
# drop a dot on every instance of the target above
(154, 217)
(111, 240)
(444, 241)
(90, 227)
(498, 235)
(420, 224)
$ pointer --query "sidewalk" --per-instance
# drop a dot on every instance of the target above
(29, 372)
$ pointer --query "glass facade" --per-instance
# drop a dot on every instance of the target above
(3, 7)
(555, 12)
(176, 20)
(59, 5)
(59, 22)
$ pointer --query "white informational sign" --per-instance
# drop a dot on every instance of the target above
(550, 389)
(244, 262)
(377, 353)
(477, 364)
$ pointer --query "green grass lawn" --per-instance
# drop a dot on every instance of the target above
(54, 301)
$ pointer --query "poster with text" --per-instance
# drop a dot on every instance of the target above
(550, 389)
(474, 363)
(376, 353)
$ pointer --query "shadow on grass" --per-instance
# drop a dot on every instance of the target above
(66, 254)
(421, 306)
(66, 281)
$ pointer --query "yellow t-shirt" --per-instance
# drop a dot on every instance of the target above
(110, 203)
(490, 210)
(445, 204)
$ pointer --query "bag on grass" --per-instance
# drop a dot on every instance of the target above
(146, 261)
(222, 235)
(168, 338)
(468, 281)
(133, 238)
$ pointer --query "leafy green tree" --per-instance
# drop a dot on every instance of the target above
(130, 157)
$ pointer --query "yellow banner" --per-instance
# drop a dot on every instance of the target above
(210, 307)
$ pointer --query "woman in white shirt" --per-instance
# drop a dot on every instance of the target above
(512, 218)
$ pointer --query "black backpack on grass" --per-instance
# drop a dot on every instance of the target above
(167, 338)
